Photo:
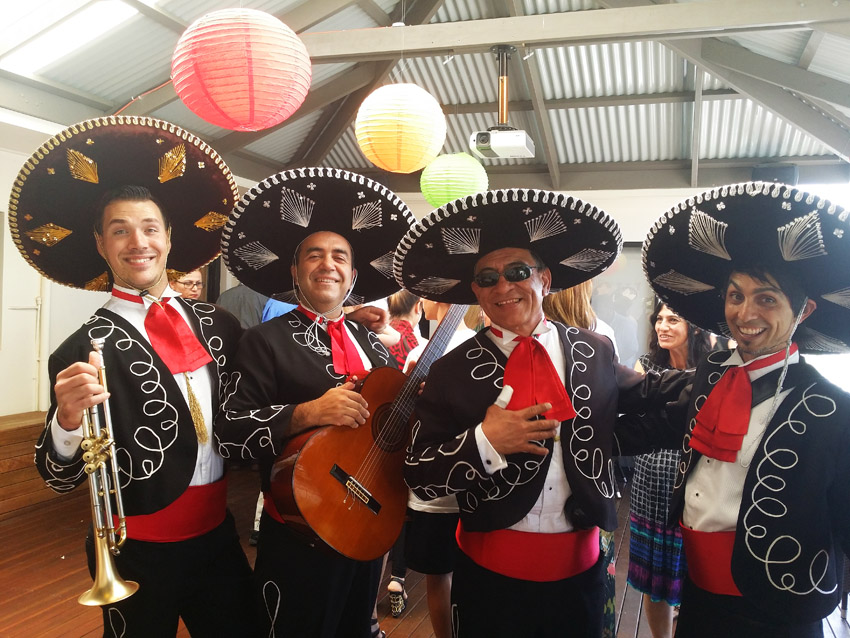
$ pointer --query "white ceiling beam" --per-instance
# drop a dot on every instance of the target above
(371, 8)
(787, 76)
(775, 99)
(696, 129)
(813, 43)
(310, 13)
(147, 9)
(652, 22)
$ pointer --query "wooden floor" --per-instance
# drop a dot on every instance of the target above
(42, 571)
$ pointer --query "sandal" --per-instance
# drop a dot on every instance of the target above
(398, 599)
(377, 632)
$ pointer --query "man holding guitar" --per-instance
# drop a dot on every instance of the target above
(517, 422)
(297, 372)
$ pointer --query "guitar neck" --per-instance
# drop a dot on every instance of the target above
(434, 349)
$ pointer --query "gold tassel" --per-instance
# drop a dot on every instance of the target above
(197, 414)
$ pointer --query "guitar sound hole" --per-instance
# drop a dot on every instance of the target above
(390, 435)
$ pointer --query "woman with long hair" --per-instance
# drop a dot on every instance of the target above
(656, 558)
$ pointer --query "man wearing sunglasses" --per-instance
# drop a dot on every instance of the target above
(517, 422)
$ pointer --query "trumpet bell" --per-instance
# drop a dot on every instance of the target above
(108, 586)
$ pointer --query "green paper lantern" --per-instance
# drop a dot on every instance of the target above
(449, 177)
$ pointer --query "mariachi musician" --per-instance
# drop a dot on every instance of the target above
(531, 470)
(298, 236)
(762, 488)
(98, 207)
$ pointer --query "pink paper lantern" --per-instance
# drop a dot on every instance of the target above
(241, 69)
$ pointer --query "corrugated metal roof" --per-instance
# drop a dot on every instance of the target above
(282, 144)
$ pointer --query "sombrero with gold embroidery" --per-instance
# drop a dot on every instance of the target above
(54, 198)
(694, 247)
(275, 216)
(575, 239)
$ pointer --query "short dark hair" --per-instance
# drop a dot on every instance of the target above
(127, 193)
(787, 282)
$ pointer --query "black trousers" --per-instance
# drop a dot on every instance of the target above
(489, 605)
(707, 615)
(206, 581)
(305, 590)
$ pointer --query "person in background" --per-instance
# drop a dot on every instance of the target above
(243, 303)
(428, 544)
(571, 307)
(657, 565)
(158, 350)
(189, 285)
(405, 312)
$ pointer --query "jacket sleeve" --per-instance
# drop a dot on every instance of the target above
(443, 457)
(653, 413)
(252, 424)
(61, 475)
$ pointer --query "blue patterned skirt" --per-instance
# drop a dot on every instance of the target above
(656, 558)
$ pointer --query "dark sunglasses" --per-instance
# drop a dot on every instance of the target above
(489, 277)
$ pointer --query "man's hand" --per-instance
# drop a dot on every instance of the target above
(338, 406)
(77, 388)
(511, 431)
(372, 317)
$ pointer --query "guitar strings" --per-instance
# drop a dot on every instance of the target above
(395, 424)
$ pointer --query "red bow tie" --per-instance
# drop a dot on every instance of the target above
(170, 336)
(530, 373)
(724, 418)
(346, 358)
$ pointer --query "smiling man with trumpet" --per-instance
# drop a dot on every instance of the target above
(165, 358)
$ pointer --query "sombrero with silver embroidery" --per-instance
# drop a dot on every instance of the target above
(436, 259)
(54, 198)
(267, 224)
(693, 248)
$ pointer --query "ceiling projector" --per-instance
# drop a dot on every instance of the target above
(501, 143)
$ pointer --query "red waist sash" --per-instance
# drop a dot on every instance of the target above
(531, 556)
(709, 556)
(200, 509)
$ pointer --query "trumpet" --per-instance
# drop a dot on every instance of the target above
(98, 453)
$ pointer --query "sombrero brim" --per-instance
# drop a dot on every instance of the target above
(267, 224)
(53, 201)
(436, 259)
(694, 247)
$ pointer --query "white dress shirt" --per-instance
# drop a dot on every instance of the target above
(547, 514)
(715, 488)
(209, 466)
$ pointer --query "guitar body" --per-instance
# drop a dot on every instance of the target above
(344, 485)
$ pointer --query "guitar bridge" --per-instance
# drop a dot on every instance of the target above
(356, 488)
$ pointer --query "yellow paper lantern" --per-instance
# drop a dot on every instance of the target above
(400, 128)
(449, 177)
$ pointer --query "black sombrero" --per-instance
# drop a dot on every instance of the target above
(436, 258)
(267, 224)
(691, 251)
(53, 201)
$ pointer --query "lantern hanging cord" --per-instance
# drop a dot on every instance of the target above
(139, 97)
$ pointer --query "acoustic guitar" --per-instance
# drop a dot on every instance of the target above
(345, 486)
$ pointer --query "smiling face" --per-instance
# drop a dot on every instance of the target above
(759, 315)
(672, 331)
(516, 306)
(135, 244)
(324, 270)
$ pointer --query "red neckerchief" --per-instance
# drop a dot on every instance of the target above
(170, 336)
(530, 373)
(724, 418)
(346, 358)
